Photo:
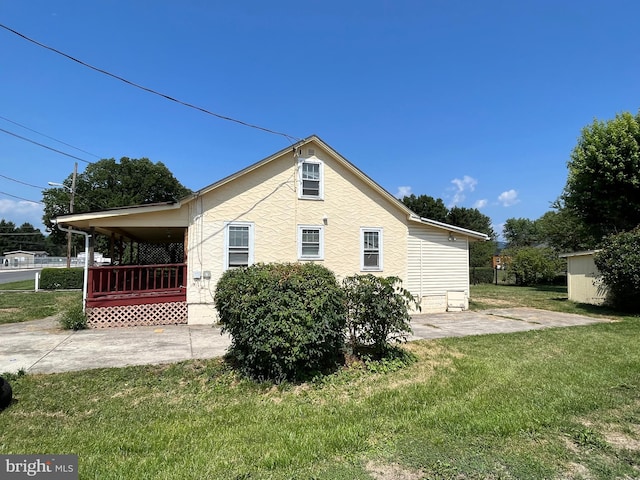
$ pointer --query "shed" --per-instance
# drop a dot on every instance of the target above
(582, 278)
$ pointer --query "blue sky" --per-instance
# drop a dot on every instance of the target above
(477, 103)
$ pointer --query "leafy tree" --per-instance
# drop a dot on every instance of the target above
(533, 265)
(427, 207)
(619, 266)
(520, 232)
(110, 184)
(24, 237)
(562, 231)
(603, 185)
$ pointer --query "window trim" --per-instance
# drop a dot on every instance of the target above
(380, 266)
(319, 162)
(251, 226)
(320, 229)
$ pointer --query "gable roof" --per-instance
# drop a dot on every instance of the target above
(82, 220)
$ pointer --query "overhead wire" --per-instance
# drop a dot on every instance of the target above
(43, 145)
(21, 198)
(49, 137)
(292, 139)
(23, 183)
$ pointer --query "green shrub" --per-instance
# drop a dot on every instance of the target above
(73, 318)
(378, 312)
(64, 278)
(619, 266)
(482, 275)
(533, 265)
(286, 320)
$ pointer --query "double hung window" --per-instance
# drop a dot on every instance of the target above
(238, 245)
(311, 181)
(310, 242)
(371, 249)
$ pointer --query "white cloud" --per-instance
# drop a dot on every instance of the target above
(508, 198)
(403, 192)
(20, 212)
(480, 204)
(462, 185)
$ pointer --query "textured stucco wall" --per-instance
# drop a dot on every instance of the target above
(268, 197)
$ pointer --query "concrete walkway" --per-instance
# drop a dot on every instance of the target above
(40, 346)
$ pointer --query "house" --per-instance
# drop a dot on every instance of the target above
(582, 278)
(305, 203)
(23, 258)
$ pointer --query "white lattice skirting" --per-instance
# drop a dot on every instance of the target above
(172, 313)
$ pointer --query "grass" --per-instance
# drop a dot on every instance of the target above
(16, 306)
(545, 297)
(556, 403)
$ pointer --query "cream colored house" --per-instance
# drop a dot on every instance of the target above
(305, 203)
(582, 278)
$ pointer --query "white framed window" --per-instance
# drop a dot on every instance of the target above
(238, 245)
(371, 249)
(311, 179)
(310, 242)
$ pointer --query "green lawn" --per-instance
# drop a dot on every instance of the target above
(557, 403)
(18, 306)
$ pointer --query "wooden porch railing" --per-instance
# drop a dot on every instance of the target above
(136, 284)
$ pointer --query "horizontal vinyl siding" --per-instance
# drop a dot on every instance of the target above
(436, 265)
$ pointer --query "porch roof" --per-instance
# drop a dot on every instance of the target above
(153, 223)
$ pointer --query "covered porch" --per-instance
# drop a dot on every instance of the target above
(145, 282)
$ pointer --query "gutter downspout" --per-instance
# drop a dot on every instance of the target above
(86, 260)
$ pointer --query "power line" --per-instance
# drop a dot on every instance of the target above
(290, 138)
(23, 183)
(21, 198)
(51, 138)
(43, 146)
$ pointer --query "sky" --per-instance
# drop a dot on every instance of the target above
(477, 103)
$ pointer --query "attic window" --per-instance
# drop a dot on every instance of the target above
(311, 179)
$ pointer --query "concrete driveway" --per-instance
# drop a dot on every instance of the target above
(40, 346)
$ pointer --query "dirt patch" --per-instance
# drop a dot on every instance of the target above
(577, 470)
(494, 302)
(9, 310)
(392, 471)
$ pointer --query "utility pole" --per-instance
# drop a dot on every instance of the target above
(71, 203)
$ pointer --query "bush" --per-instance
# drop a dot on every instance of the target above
(286, 320)
(65, 278)
(482, 275)
(74, 318)
(378, 312)
(619, 266)
(533, 265)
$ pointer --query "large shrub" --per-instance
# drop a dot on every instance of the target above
(533, 265)
(619, 266)
(378, 311)
(65, 278)
(286, 320)
(482, 275)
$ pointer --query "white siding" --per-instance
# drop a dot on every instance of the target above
(436, 266)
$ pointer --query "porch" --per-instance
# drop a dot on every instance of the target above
(137, 295)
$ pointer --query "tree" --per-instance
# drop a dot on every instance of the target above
(619, 265)
(110, 184)
(427, 207)
(532, 265)
(24, 237)
(603, 184)
(520, 232)
(563, 232)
